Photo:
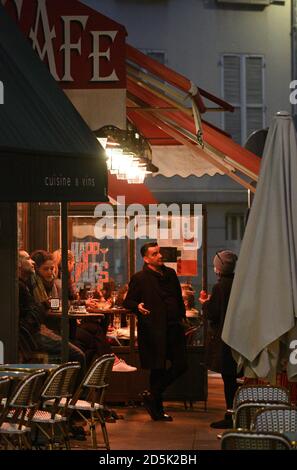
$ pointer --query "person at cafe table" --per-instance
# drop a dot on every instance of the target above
(33, 309)
(155, 296)
(90, 334)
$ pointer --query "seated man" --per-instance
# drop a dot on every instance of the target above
(33, 314)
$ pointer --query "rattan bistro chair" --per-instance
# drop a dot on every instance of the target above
(95, 383)
(4, 391)
(244, 414)
(246, 440)
(261, 393)
(276, 420)
(250, 398)
(49, 419)
(21, 404)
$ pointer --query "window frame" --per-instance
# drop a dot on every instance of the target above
(239, 222)
(243, 106)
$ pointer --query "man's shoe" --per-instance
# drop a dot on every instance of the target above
(223, 424)
(122, 366)
(78, 433)
(164, 417)
(150, 405)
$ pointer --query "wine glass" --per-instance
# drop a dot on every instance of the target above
(114, 296)
(90, 294)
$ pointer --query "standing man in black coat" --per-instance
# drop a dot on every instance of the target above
(155, 296)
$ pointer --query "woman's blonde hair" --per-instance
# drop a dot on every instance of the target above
(57, 256)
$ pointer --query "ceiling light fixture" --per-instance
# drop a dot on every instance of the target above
(129, 154)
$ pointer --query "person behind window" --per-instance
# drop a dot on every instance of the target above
(35, 280)
(90, 334)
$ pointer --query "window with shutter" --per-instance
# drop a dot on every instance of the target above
(243, 87)
(234, 226)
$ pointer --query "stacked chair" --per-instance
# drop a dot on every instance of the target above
(247, 440)
(276, 420)
(250, 398)
(51, 418)
(4, 391)
(94, 385)
(250, 402)
(18, 408)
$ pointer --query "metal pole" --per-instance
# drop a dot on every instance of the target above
(65, 277)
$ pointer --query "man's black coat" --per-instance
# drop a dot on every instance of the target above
(146, 286)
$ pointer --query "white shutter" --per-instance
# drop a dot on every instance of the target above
(233, 124)
(231, 91)
(254, 82)
(232, 79)
(254, 94)
(243, 87)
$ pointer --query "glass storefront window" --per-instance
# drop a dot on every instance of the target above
(97, 261)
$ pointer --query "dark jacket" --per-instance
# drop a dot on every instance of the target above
(32, 314)
(218, 356)
(161, 295)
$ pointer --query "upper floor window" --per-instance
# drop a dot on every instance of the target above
(243, 87)
(235, 226)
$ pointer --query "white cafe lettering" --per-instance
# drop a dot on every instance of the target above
(57, 181)
(47, 49)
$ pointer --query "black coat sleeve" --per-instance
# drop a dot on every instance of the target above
(181, 303)
(212, 308)
(134, 295)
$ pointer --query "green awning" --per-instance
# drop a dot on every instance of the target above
(47, 151)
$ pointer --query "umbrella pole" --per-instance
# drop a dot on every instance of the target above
(204, 250)
(65, 275)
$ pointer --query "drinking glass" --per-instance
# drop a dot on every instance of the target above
(114, 296)
(117, 321)
(90, 294)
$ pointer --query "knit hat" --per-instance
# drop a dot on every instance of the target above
(225, 261)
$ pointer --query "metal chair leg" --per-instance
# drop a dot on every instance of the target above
(105, 436)
(93, 431)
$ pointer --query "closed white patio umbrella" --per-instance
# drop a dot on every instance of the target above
(261, 317)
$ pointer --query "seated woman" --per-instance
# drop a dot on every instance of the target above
(192, 313)
(195, 332)
(90, 334)
(43, 288)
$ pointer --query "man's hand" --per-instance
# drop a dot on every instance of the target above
(92, 303)
(143, 310)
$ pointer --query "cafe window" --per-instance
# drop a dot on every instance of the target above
(97, 260)
(179, 251)
(234, 226)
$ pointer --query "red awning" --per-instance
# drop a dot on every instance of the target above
(158, 111)
(133, 193)
(174, 78)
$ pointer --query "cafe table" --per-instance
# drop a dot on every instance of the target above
(26, 368)
(19, 371)
(16, 373)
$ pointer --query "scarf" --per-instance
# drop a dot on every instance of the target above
(43, 290)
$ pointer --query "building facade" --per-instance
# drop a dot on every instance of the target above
(238, 50)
